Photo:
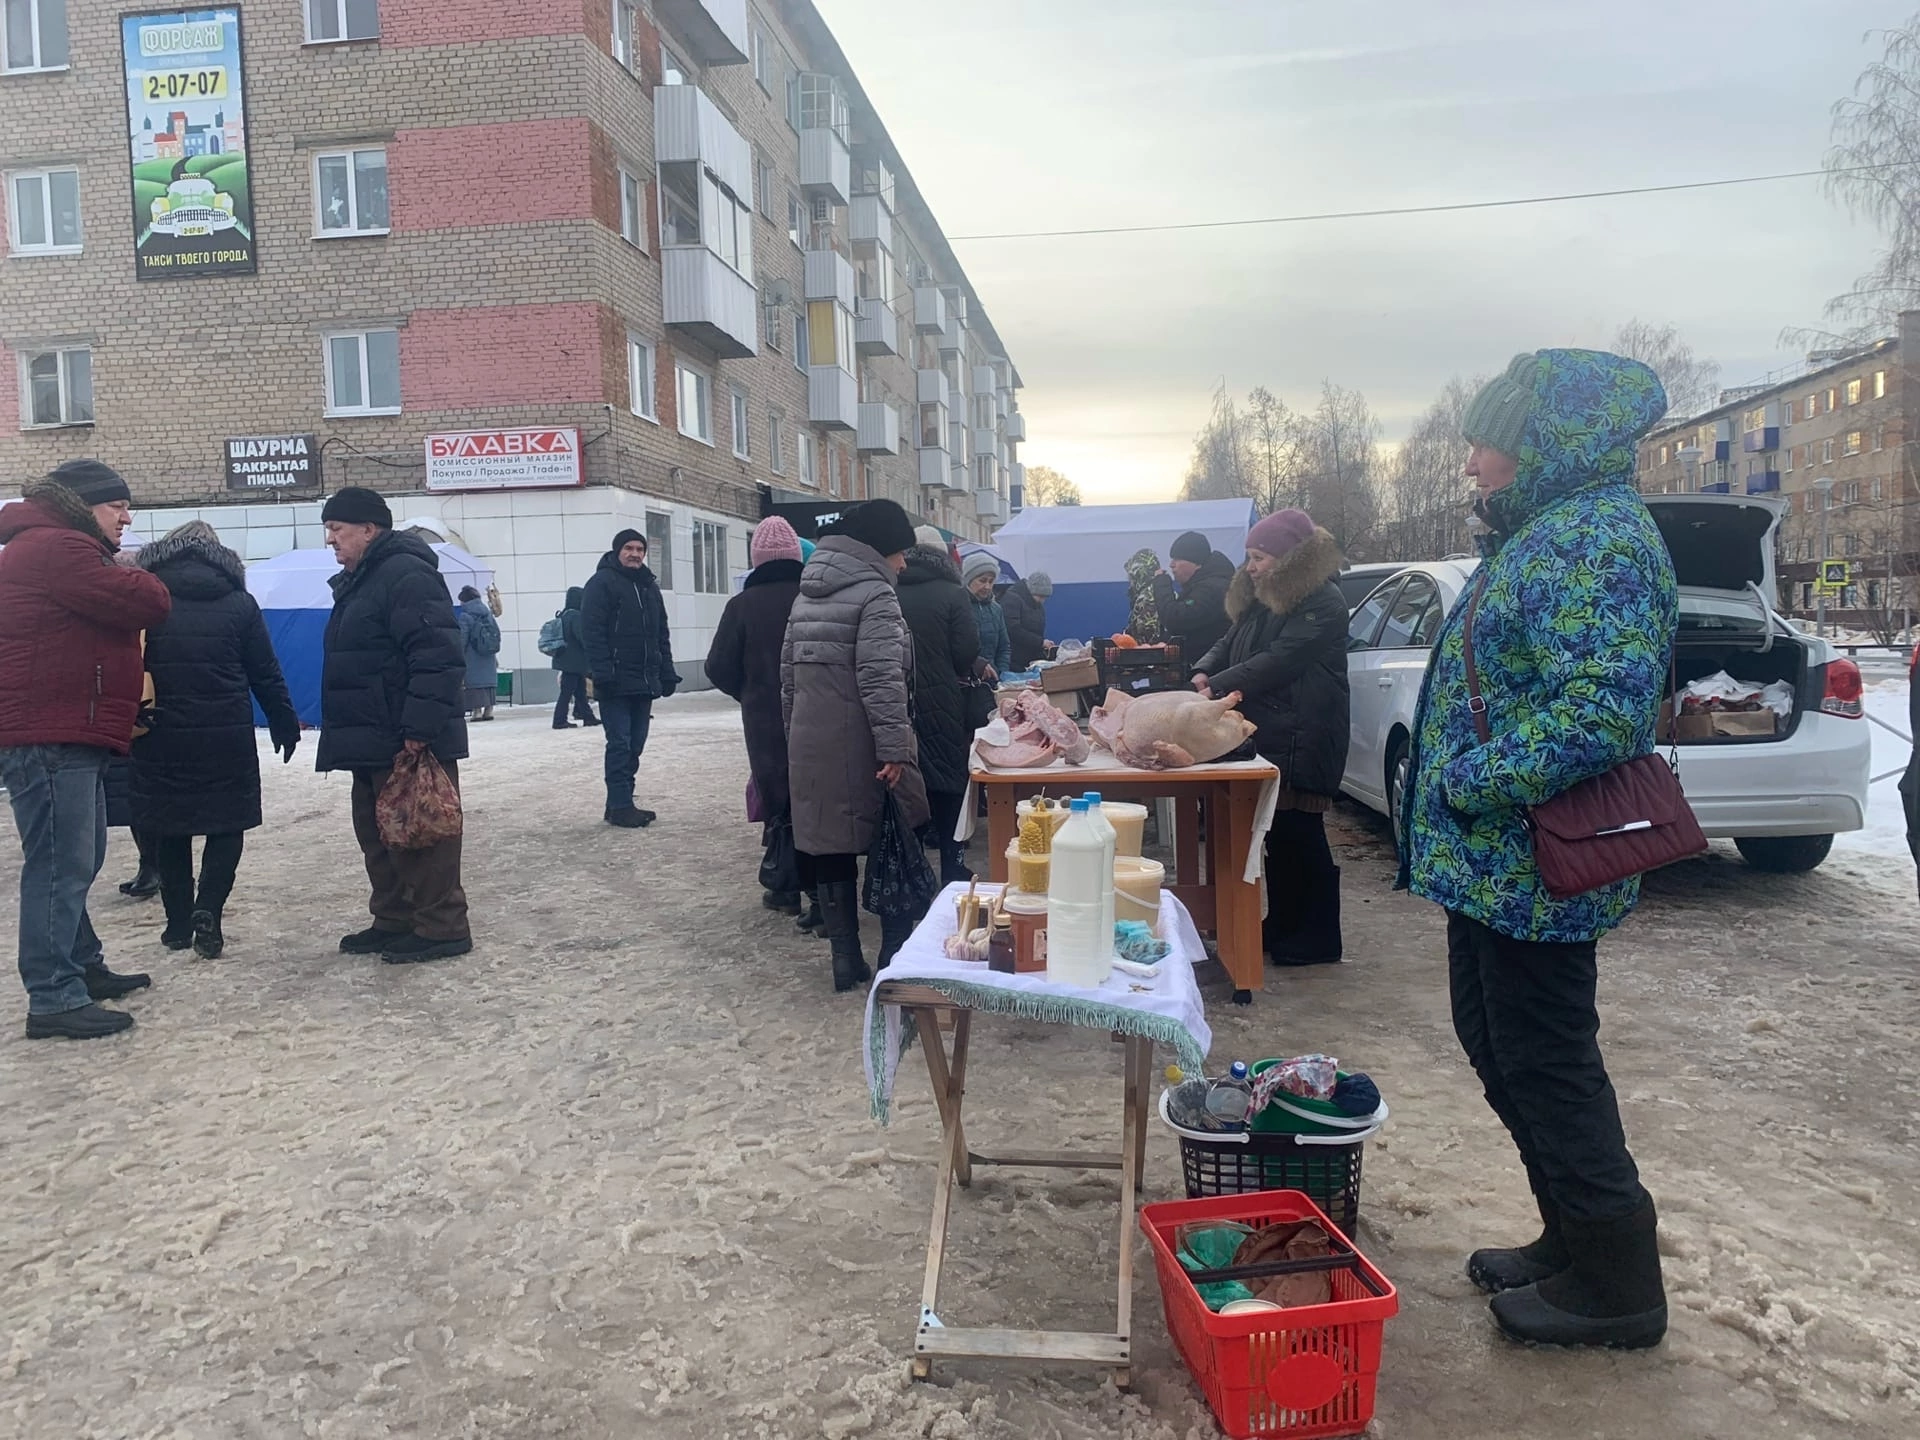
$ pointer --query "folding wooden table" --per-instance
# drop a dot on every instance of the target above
(1210, 860)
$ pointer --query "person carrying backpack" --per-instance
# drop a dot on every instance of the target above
(480, 640)
(562, 638)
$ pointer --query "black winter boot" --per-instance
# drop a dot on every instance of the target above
(178, 900)
(208, 942)
(894, 930)
(1609, 1296)
(105, 984)
(810, 922)
(1496, 1270)
(1317, 941)
(144, 885)
(840, 914)
(953, 864)
(787, 900)
(89, 1022)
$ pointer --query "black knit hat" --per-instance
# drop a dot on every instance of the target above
(1192, 547)
(94, 481)
(355, 505)
(881, 524)
(626, 538)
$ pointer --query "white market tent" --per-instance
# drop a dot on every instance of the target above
(1084, 550)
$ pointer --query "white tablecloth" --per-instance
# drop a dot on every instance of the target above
(1166, 1008)
(1063, 779)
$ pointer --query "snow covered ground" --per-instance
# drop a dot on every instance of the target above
(1886, 831)
(613, 1175)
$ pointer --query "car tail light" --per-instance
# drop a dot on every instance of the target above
(1843, 689)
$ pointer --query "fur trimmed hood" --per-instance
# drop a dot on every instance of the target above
(926, 564)
(1292, 579)
(55, 504)
(195, 540)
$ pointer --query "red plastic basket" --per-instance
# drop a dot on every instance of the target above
(1302, 1373)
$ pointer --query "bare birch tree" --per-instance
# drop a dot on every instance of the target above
(1692, 382)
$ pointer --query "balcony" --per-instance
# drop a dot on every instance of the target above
(986, 441)
(988, 505)
(1016, 487)
(714, 30)
(1764, 482)
(953, 339)
(983, 380)
(878, 329)
(934, 389)
(870, 223)
(935, 467)
(833, 397)
(830, 277)
(711, 302)
(879, 429)
(826, 166)
(1767, 437)
(689, 126)
(929, 310)
(1017, 427)
(1718, 487)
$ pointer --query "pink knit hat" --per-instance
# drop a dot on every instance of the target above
(773, 539)
(1280, 532)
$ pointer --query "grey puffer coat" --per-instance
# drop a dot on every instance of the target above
(846, 671)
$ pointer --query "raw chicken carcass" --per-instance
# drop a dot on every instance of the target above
(1169, 730)
(1037, 734)
(1055, 724)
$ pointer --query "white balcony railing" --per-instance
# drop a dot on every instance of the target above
(826, 165)
(714, 30)
(929, 309)
(879, 429)
(711, 301)
(878, 330)
(833, 397)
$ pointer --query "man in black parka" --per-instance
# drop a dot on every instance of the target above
(625, 623)
(1194, 616)
(393, 680)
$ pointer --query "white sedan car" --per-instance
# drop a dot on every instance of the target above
(1780, 798)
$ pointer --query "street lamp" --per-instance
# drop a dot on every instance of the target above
(1824, 485)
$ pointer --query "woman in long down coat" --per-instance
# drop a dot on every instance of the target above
(196, 771)
(846, 677)
(946, 646)
(744, 662)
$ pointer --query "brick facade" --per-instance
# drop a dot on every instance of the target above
(506, 124)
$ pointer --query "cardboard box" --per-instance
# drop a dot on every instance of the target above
(1743, 723)
(1073, 675)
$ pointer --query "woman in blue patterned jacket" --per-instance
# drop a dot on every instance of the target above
(1575, 620)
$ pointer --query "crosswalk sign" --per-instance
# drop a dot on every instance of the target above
(1835, 577)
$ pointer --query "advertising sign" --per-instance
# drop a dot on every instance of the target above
(273, 462)
(187, 129)
(525, 459)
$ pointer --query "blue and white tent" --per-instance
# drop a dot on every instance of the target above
(1084, 550)
(294, 596)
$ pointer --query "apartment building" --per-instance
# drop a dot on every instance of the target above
(1841, 434)
(535, 271)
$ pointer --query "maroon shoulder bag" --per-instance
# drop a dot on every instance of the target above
(1622, 822)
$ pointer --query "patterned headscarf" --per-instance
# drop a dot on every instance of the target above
(1143, 623)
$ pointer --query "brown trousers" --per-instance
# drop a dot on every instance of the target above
(417, 890)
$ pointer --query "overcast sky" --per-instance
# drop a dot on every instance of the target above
(1054, 114)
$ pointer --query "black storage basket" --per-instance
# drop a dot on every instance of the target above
(1140, 670)
(1329, 1174)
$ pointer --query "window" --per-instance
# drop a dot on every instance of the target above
(623, 33)
(1850, 493)
(35, 35)
(640, 373)
(350, 192)
(698, 212)
(674, 70)
(1786, 416)
(341, 20)
(1879, 384)
(1833, 399)
(1856, 442)
(776, 445)
(757, 47)
(807, 447)
(796, 221)
(762, 183)
(793, 98)
(709, 558)
(632, 222)
(45, 210)
(695, 394)
(1806, 595)
(1813, 405)
(742, 445)
(1366, 620)
(1826, 452)
(1880, 438)
(1754, 419)
(1853, 391)
(680, 206)
(771, 323)
(660, 548)
(1413, 617)
(363, 373)
(800, 343)
(933, 426)
(823, 104)
(1663, 454)
(1876, 489)
(1789, 459)
(56, 387)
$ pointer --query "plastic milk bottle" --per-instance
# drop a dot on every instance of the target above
(1079, 952)
(1104, 828)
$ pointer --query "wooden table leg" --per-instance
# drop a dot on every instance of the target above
(1186, 838)
(1237, 902)
(953, 1163)
(949, 1078)
(1133, 1142)
(1002, 823)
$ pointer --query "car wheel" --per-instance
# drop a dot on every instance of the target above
(1784, 854)
(1398, 764)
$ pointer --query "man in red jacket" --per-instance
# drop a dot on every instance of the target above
(70, 668)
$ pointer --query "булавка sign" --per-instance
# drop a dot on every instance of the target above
(186, 121)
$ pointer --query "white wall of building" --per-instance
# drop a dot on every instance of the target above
(538, 542)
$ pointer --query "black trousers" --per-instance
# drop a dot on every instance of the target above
(1526, 1016)
(826, 869)
(1303, 883)
(219, 863)
(573, 691)
(944, 806)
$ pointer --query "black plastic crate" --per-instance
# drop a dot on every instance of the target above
(1140, 670)
(1329, 1174)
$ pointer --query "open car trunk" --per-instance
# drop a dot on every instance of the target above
(1722, 550)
